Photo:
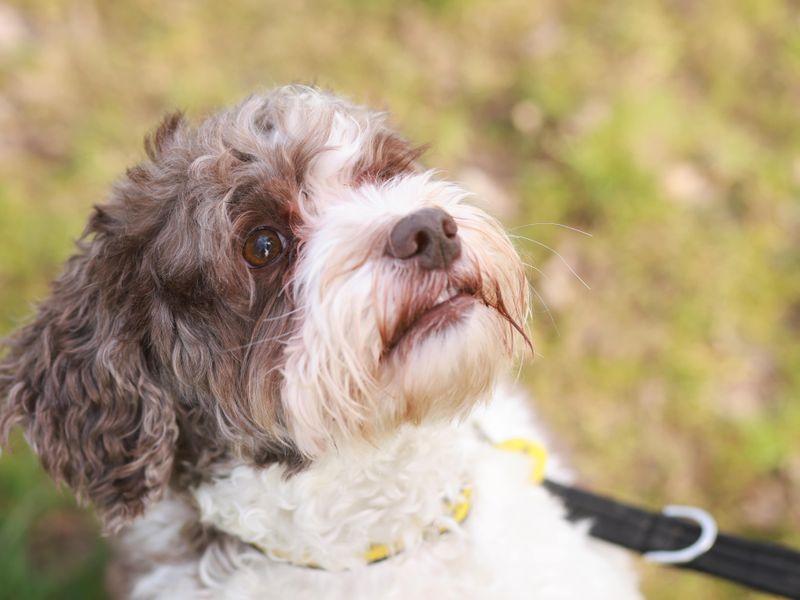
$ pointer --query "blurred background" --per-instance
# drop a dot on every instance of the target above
(666, 131)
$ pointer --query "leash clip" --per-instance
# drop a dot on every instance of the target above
(703, 543)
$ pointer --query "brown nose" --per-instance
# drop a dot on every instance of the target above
(429, 236)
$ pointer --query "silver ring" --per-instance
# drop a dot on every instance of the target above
(703, 543)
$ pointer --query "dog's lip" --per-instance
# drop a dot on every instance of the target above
(449, 307)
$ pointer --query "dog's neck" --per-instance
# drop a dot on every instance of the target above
(329, 515)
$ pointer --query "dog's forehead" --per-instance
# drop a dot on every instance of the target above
(302, 138)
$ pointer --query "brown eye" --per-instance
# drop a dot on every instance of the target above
(262, 247)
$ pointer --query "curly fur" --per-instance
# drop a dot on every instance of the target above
(166, 382)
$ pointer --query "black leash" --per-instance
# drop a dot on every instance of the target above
(760, 565)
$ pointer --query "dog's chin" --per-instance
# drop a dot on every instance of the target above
(449, 359)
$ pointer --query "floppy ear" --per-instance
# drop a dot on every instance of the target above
(78, 379)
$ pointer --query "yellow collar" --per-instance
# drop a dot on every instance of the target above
(536, 452)
(457, 510)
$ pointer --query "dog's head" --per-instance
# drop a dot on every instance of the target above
(277, 281)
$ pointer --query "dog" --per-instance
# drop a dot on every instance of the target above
(274, 367)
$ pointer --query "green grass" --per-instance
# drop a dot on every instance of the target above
(668, 130)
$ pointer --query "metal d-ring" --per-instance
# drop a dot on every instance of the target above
(703, 543)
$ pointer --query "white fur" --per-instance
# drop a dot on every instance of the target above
(514, 544)
(335, 384)
(331, 513)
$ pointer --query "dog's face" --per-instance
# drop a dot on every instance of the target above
(274, 283)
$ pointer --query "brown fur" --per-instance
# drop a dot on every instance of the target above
(158, 352)
(390, 156)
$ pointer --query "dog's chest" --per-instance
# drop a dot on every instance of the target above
(514, 542)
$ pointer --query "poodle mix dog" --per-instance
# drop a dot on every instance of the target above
(266, 368)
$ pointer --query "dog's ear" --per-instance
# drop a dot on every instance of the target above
(78, 380)
(81, 380)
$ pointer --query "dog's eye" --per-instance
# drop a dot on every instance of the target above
(262, 247)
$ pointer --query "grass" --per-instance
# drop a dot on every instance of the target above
(668, 130)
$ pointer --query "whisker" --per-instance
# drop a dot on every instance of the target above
(570, 227)
(537, 269)
(519, 370)
(547, 310)
(563, 260)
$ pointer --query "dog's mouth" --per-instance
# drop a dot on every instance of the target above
(450, 308)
